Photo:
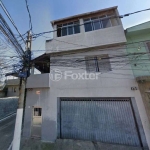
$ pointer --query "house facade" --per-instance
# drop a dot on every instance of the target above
(10, 88)
(140, 37)
(87, 89)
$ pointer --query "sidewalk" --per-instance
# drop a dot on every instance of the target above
(65, 144)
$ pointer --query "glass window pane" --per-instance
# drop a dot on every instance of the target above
(76, 29)
(96, 24)
(90, 64)
(104, 63)
(70, 30)
(59, 32)
(64, 31)
(106, 23)
(65, 24)
(88, 27)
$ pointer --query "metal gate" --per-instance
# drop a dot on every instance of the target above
(105, 120)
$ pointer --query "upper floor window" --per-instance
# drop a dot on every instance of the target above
(96, 23)
(99, 63)
(68, 29)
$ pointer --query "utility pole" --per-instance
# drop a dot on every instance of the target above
(26, 73)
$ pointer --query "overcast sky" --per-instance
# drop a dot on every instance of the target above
(43, 11)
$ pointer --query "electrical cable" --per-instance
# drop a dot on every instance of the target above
(114, 16)
(10, 18)
(30, 21)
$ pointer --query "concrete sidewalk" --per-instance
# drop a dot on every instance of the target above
(65, 144)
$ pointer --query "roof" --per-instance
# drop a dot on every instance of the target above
(139, 29)
(12, 82)
(42, 63)
(84, 14)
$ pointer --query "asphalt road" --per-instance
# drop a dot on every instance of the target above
(6, 132)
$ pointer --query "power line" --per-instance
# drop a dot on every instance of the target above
(30, 22)
(75, 62)
(9, 35)
(10, 18)
(108, 17)
(135, 12)
(122, 49)
(8, 38)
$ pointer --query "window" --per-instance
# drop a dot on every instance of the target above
(148, 45)
(96, 23)
(14, 89)
(98, 63)
(68, 29)
(76, 28)
(59, 30)
(106, 23)
(37, 111)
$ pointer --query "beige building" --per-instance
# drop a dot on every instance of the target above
(86, 89)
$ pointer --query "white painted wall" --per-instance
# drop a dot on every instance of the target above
(106, 36)
(38, 80)
(116, 83)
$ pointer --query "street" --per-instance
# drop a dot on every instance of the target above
(6, 132)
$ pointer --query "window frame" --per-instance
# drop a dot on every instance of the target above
(97, 67)
(36, 111)
(90, 20)
(67, 25)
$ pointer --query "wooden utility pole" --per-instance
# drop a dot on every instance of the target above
(19, 116)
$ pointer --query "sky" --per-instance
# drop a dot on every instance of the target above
(44, 11)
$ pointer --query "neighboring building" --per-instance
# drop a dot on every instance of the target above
(138, 40)
(10, 88)
(105, 108)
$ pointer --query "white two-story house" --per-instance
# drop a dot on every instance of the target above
(87, 90)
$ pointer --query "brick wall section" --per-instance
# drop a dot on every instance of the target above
(7, 106)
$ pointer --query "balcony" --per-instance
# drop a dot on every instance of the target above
(98, 38)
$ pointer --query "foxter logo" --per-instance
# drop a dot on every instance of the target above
(55, 74)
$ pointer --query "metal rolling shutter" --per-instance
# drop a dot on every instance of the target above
(105, 120)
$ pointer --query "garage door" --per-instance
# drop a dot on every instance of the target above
(105, 120)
